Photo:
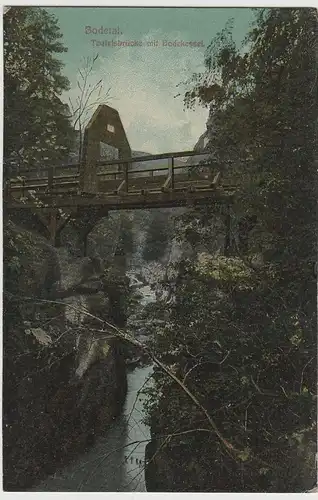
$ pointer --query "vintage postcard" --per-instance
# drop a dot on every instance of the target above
(159, 224)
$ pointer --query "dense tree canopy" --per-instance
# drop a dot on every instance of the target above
(242, 330)
(37, 129)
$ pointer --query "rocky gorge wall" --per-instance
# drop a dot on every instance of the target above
(61, 382)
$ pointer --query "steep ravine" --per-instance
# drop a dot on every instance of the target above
(58, 379)
(116, 461)
(82, 445)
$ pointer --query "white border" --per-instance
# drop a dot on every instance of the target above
(131, 3)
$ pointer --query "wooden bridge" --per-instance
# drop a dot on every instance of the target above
(120, 187)
(58, 193)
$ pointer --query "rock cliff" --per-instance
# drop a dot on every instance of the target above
(63, 385)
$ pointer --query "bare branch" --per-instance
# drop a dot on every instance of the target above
(128, 338)
(232, 451)
(137, 396)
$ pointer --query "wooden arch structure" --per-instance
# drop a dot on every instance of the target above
(105, 127)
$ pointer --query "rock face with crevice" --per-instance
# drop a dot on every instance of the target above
(63, 385)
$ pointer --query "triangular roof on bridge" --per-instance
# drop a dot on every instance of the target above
(106, 126)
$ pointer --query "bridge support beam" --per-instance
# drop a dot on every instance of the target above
(50, 222)
(84, 221)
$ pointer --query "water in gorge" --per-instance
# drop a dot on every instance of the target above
(116, 461)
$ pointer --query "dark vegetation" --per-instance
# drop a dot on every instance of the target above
(37, 130)
(242, 329)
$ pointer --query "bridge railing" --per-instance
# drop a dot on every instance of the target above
(126, 169)
(67, 176)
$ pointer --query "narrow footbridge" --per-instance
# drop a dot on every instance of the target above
(109, 177)
(118, 186)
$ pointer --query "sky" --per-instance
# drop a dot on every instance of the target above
(143, 79)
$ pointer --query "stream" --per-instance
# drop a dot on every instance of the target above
(116, 461)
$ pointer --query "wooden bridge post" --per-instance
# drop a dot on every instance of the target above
(123, 187)
(81, 176)
(171, 171)
(125, 170)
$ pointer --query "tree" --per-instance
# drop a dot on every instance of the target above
(90, 95)
(37, 129)
(243, 336)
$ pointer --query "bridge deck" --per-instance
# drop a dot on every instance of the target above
(119, 186)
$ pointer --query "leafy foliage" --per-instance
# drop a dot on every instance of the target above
(242, 336)
(37, 127)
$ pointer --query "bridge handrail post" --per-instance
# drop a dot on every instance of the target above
(80, 174)
(171, 171)
(125, 169)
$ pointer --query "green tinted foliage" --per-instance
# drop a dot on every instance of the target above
(240, 335)
(37, 128)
